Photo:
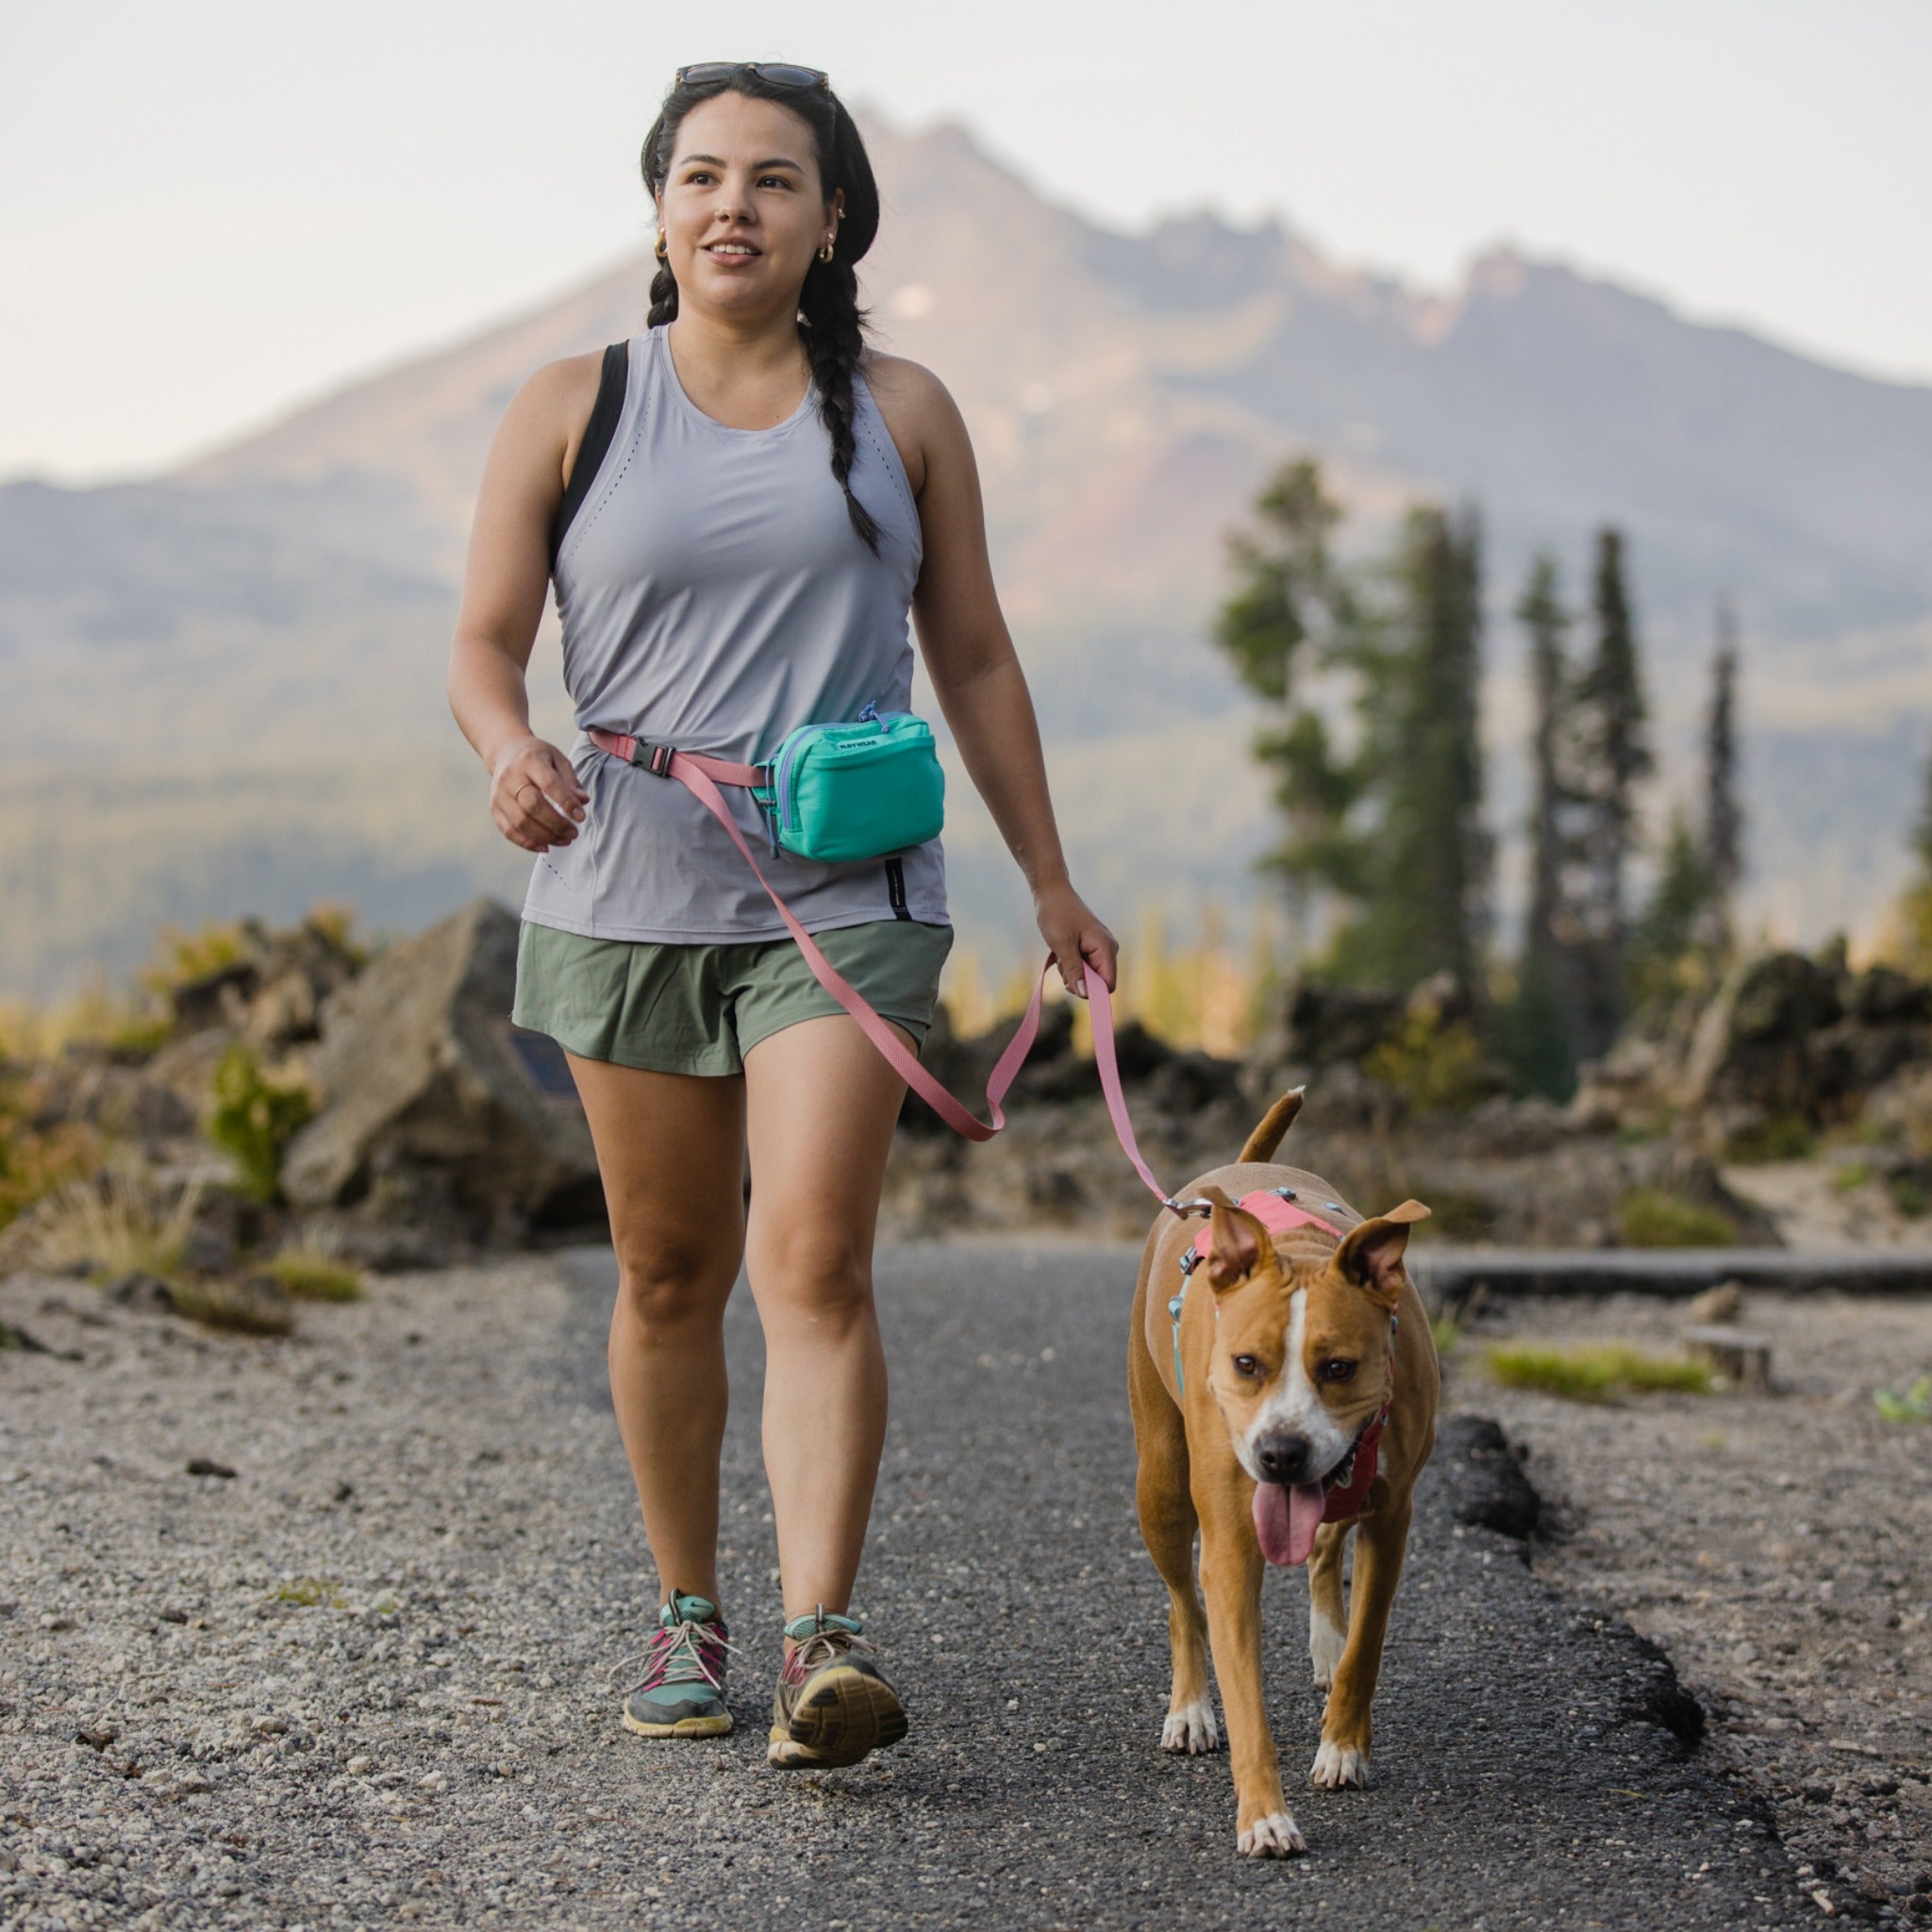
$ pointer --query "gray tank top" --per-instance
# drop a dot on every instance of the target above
(714, 596)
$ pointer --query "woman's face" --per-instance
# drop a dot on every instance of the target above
(742, 211)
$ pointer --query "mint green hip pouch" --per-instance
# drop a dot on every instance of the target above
(841, 792)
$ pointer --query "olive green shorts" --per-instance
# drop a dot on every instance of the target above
(699, 1008)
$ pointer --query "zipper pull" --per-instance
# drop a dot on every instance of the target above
(870, 715)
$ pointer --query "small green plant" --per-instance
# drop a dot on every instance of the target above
(314, 1277)
(1782, 1137)
(1914, 1405)
(240, 1308)
(255, 1118)
(1652, 1218)
(1446, 1332)
(312, 1592)
(1437, 1063)
(1594, 1371)
(1852, 1175)
(1909, 1196)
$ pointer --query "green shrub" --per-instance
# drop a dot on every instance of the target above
(1914, 1405)
(1908, 1196)
(1594, 1371)
(254, 1120)
(1437, 1063)
(240, 1308)
(1852, 1176)
(1783, 1137)
(313, 1277)
(1654, 1219)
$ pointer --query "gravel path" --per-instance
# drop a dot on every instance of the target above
(362, 1678)
(1778, 1546)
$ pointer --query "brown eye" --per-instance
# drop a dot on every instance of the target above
(1337, 1371)
(1246, 1365)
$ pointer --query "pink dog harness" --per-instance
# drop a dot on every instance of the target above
(1278, 1209)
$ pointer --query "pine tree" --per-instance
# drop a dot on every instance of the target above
(1425, 907)
(1668, 938)
(1541, 1028)
(1614, 757)
(1291, 615)
(1724, 817)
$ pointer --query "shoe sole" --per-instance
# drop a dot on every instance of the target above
(684, 1727)
(845, 1715)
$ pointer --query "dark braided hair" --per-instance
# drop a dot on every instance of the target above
(831, 324)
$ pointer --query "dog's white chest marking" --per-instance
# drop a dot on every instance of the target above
(1292, 1406)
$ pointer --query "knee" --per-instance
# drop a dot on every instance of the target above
(669, 1280)
(816, 1272)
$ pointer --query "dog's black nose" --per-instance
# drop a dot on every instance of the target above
(1283, 1458)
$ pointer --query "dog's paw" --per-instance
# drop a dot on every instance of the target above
(1325, 1645)
(1191, 1729)
(1336, 1765)
(1273, 1837)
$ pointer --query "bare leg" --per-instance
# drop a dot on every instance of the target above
(822, 1106)
(671, 1148)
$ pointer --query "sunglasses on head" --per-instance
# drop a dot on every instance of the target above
(706, 71)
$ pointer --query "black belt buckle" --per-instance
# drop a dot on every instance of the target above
(654, 758)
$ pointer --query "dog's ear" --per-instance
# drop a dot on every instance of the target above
(1236, 1242)
(1371, 1255)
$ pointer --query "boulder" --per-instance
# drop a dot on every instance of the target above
(427, 1092)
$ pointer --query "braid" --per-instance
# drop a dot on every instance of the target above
(832, 328)
(663, 297)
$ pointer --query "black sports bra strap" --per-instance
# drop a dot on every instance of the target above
(605, 414)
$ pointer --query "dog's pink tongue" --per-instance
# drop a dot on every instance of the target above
(1286, 1521)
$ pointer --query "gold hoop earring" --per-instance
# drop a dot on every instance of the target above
(661, 251)
(825, 253)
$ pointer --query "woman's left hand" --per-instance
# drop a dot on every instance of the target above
(1078, 939)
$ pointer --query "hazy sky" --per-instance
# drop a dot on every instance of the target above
(208, 210)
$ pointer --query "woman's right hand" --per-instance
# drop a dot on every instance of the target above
(534, 795)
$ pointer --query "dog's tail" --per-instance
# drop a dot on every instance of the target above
(1262, 1143)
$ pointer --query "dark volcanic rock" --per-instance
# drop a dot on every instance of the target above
(422, 1078)
(1479, 1468)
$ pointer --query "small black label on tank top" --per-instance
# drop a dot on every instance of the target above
(895, 887)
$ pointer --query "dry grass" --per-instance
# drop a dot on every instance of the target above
(312, 1270)
(255, 1306)
(1654, 1219)
(122, 1222)
(1594, 1371)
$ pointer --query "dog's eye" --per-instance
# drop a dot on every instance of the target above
(1337, 1371)
(1246, 1365)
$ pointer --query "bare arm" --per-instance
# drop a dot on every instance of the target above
(534, 794)
(974, 669)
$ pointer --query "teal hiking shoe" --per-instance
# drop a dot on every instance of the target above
(832, 1704)
(681, 1693)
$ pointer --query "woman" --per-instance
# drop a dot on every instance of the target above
(738, 507)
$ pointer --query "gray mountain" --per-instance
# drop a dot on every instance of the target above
(247, 653)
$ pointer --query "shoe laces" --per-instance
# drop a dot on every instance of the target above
(687, 1652)
(827, 1638)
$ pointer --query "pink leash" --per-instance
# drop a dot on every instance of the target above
(702, 775)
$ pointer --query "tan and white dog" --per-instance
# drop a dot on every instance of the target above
(1302, 1354)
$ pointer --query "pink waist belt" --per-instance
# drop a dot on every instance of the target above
(702, 775)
